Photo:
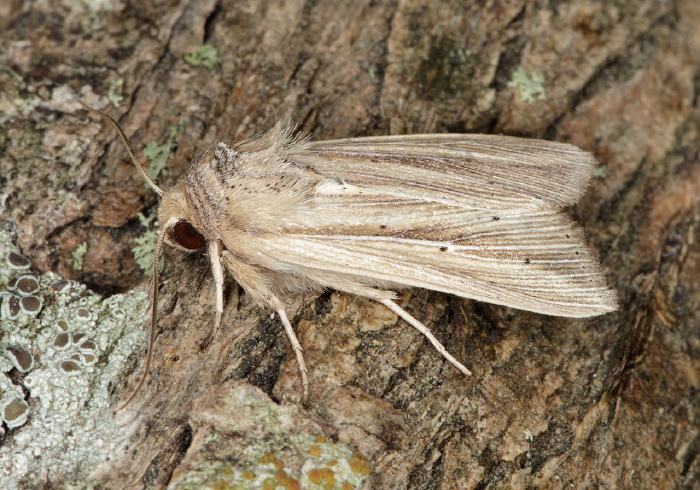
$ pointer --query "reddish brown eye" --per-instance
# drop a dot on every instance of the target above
(186, 236)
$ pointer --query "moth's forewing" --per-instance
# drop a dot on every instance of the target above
(471, 171)
(471, 215)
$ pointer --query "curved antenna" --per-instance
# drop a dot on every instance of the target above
(154, 309)
(128, 147)
(161, 238)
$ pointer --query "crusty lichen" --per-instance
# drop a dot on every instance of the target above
(80, 342)
(245, 440)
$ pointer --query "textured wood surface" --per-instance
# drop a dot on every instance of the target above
(609, 402)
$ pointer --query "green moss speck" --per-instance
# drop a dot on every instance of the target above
(158, 155)
(112, 93)
(446, 72)
(144, 251)
(77, 256)
(530, 87)
(206, 56)
(146, 220)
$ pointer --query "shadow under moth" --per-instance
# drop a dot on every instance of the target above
(476, 216)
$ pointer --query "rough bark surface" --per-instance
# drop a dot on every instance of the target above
(608, 402)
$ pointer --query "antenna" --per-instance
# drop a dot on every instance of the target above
(128, 147)
(159, 247)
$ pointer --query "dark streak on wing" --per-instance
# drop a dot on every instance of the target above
(480, 171)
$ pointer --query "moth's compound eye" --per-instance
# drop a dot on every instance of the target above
(186, 236)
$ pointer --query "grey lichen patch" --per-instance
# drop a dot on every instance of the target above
(69, 351)
(88, 345)
(62, 341)
(17, 261)
(245, 440)
(59, 286)
(20, 358)
(71, 367)
(530, 87)
(9, 306)
(30, 305)
(83, 315)
(15, 413)
(27, 285)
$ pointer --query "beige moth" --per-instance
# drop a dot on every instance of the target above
(472, 215)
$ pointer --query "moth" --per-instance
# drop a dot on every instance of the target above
(472, 215)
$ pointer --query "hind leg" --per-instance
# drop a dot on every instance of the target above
(256, 284)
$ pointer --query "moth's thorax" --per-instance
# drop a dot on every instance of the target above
(258, 191)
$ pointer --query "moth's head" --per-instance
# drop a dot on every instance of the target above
(175, 215)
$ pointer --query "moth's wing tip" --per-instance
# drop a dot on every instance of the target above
(611, 299)
(608, 304)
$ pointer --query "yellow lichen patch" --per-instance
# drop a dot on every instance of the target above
(329, 476)
(282, 477)
(315, 450)
(332, 463)
(248, 475)
(269, 483)
(315, 476)
(359, 464)
(279, 465)
(320, 440)
(348, 486)
(221, 485)
(294, 484)
(268, 458)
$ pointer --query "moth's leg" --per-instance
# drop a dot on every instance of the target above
(218, 273)
(385, 298)
(424, 330)
(298, 351)
(256, 284)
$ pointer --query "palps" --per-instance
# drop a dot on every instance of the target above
(471, 215)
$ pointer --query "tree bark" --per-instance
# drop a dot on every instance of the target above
(604, 402)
